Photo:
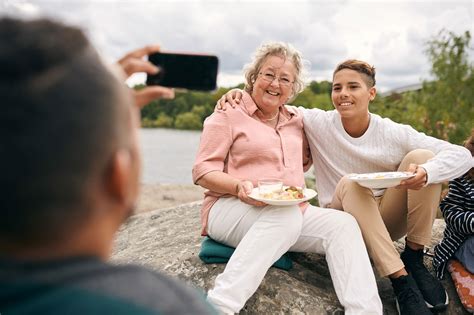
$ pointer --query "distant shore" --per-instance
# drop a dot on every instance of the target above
(159, 196)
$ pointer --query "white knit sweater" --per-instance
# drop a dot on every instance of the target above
(380, 149)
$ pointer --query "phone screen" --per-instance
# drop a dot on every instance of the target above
(192, 72)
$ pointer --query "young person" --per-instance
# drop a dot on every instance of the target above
(458, 212)
(70, 177)
(350, 139)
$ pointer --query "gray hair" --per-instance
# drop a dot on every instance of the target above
(284, 50)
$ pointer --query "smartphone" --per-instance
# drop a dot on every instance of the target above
(188, 71)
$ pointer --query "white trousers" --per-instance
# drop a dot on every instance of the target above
(262, 235)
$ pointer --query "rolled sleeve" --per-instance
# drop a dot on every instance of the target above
(450, 161)
(216, 140)
(431, 172)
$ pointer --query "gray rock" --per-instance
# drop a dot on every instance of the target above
(169, 241)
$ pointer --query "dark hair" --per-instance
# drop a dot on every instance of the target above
(469, 144)
(59, 125)
(362, 67)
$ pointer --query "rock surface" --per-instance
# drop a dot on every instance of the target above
(169, 241)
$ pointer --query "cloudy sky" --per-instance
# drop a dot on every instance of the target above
(391, 35)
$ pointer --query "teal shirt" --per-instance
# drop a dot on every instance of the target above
(85, 285)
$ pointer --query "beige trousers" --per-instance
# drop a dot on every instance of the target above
(397, 213)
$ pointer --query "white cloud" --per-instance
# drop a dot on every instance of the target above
(388, 34)
(21, 8)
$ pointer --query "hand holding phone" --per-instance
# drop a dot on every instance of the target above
(133, 62)
(188, 71)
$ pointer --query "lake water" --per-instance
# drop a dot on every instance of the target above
(168, 155)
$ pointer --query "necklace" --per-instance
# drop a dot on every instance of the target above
(273, 118)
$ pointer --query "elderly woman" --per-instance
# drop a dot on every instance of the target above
(264, 138)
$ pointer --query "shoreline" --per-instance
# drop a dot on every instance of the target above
(160, 196)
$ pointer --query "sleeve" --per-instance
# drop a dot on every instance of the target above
(454, 209)
(310, 118)
(310, 115)
(216, 140)
(307, 158)
(450, 161)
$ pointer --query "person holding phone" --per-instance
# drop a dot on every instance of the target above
(133, 62)
(70, 177)
(350, 139)
(263, 138)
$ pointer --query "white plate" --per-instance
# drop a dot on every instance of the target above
(308, 194)
(380, 180)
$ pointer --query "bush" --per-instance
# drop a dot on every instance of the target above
(163, 121)
(188, 121)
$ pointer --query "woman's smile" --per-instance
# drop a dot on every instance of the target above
(268, 91)
(273, 93)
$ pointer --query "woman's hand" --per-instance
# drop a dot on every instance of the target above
(223, 183)
(232, 97)
(244, 188)
(416, 182)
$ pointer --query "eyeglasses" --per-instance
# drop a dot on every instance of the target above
(269, 77)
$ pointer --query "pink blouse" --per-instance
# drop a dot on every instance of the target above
(236, 142)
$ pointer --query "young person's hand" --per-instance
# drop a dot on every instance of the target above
(231, 98)
(244, 188)
(418, 181)
(133, 62)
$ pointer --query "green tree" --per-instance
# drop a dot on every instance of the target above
(323, 87)
(163, 121)
(444, 107)
(448, 101)
(308, 98)
(188, 121)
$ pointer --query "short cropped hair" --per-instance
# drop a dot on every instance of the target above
(284, 50)
(367, 71)
(59, 126)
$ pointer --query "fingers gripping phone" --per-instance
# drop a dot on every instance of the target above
(192, 72)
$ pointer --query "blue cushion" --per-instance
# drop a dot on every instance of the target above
(213, 252)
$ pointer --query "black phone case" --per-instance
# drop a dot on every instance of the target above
(192, 72)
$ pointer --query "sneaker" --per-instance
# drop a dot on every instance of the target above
(408, 298)
(433, 292)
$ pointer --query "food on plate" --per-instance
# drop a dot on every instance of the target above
(289, 193)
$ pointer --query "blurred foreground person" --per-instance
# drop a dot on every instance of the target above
(70, 177)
